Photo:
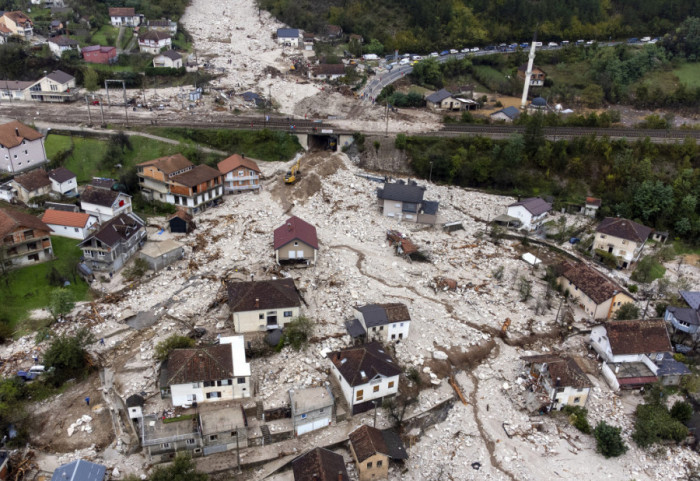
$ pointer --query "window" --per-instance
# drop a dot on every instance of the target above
(165, 445)
(241, 380)
(577, 400)
(391, 384)
(379, 464)
(360, 395)
(225, 382)
(401, 324)
(261, 316)
(213, 437)
(241, 173)
(287, 313)
(369, 465)
(296, 243)
(76, 229)
(190, 442)
(195, 384)
(376, 388)
(213, 395)
(209, 383)
(603, 236)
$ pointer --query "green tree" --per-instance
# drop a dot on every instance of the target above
(593, 96)
(608, 440)
(165, 347)
(626, 312)
(68, 357)
(375, 47)
(578, 416)
(428, 73)
(297, 333)
(90, 80)
(182, 469)
(60, 302)
(682, 411)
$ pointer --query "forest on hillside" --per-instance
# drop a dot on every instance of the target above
(422, 26)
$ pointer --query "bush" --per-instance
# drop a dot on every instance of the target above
(297, 333)
(608, 258)
(608, 440)
(68, 357)
(627, 312)
(165, 347)
(60, 302)
(136, 270)
(654, 423)
(633, 288)
(182, 469)
(578, 417)
(681, 411)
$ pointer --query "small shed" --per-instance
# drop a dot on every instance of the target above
(161, 254)
(181, 223)
(134, 404)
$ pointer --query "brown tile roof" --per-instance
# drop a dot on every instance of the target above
(624, 229)
(329, 69)
(366, 442)
(593, 201)
(11, 219)
(295, 229)
(235, 161)
(99, 196)
(638, 337)
(255, 295)
(182, 215)
(591, 282)
(61, 217)
(320, 464)
(34, 180)
(117, 230)
(61, 175)
(13, 133)
(565, 369)
(201, 364)
(168, 164)
(122, 12)
(370, 360)
(18, 17)
(198, 175)
(155, 35)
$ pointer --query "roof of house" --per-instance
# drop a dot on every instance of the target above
(198, 175)
(209, 363)
(382, 314)
(523, 68)
(320, 464)
(134, 400)
(538, 102)
(171, 54)
(692, 298)
(118, 229)
(402, 191)
(61, 174)
(4, 30)
(155, 249)
(295, 229)
(438, 96)
(624, 229)
(18, 17)
(122, 12)
(156, 35)
(564, 369)
(685, 314)
(63, 41)
(13, 133)
(591, 282)
(99, 196)
(593, 201)
(60, 76)
(287, 33)
(359, 365)
(169, 163)
(34, 180)
(235, 161)
(258, 295)
(354, 328)
(534, 205)
(11, 219)
(367, 441)
(101, 48)
(330, 69)
(638, 337)
(250, 96)
(79, 470)
(510, 112)
(181, 214)
(69, 219)
(15, 85)
(668, 366)
(102, 182)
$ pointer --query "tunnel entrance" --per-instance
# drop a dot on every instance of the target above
(323, 142)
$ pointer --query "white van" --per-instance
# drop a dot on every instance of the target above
(434, 54)
(38, 369)
(645, 39)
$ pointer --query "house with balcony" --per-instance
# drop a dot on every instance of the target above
(312, 408)
(206, 374)
(622, 238)
(125, 16)
(32, 184)
(241, 174)
(366, 374)
(404, 201)
(60, 44)
(685, 320)
(99, 54)
(154, 42)
(263, 305)
(25, 239)
(163, 25)
(17, 23)
(155, 175)
(114, 243)
(599, 296)
(554, 382)
(58, 86)
(104, 204)
(380, 322)
(21, 147)
(64, 182)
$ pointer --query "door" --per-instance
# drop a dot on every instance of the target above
(272, 318)
(321, 423)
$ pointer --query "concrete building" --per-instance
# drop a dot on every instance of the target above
(163, 25)
(32, 184)
(99, 54)
(263, 305)
(686, 320)
(241, 174)
(21, 147)
(17, 23)
(622, 238)
(24, 238)
(168, 59)
(288, 37)
(404, 201)
(159, 255)
(104, 204)
(384, 322)
(538, 75)
(64, 182)
(555, 382)
(223, 428)
(531, 212)
(372, 449)
(154, 42)
(60, 44)
(312, 409)
(126, 16)
(116, 241)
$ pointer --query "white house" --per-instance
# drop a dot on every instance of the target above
(557, 381)
(21, 147)
(57, 86)
(312, 409)
(629, 350)
(168, 59)
(126, 16)
(154, 41)
(591, 206)
(75, 225)
(365, 374)
(63, 181)
(404, 201)
(104, 204)
(208, 374)
(384, 322)
(531, 212)
(61, 44)
(289, 37)
(622, 238)
(263, 305)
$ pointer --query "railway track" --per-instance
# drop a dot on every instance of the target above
(570, 132)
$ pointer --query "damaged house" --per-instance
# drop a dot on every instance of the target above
(380, 322)
(404, 201)
(372, 450)
(555, 382)
(685, 321)
(296, 242)
(263, 305)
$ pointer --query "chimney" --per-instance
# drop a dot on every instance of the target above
(243, 156)
(252, 278)
(16, 131)
(340, 476)
(289, 226)
(257, 303)
(558, 382)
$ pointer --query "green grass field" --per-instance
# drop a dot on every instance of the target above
(28, 288)
(689, 74)
(106, 35)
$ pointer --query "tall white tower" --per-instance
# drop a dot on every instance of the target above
(528, 72)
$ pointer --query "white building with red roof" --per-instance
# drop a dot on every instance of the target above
(75, 225)
(296, 242)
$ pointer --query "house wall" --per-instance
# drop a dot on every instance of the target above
(303, 419)
(28, 155)
(25, 195)
(182, 393)
(680, 325)
(241, 179)
(610, 377)
(162, 261)
(397, 331)
(130, 21)
(63, 187)
(226, 435)
(368, 389)
(293, 41)
(152, 47)
(450, 104)
(194, 202)
(628, 250)
(249, 321)
(100, 57)
(529, 221)
(166, 62)
(374, 467)
(344, 385)
(308, 252)
(79, 233)
(501, 116)
(27, 246)
(571, 396)
(104, 213)
(426, 219)
(394, 209)
(112, 259)
(596, 311)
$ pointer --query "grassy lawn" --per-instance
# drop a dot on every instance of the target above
(667, 81)
(681, 247)
(689, 74)
(106, 35)
(29, 287)
(87, 154)
(575, 74)
(179, 42)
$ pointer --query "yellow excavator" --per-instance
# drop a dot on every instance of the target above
(293, 174)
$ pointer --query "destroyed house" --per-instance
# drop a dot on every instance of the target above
(366, 374)
(263, 305)
(383, 322)
(404, 201)
(599, 296)
(114, 243)
(319, 464)
(32, 184)
(555, 381)
(207, 374)
(622, 238)
(372, 449)
(295, 242)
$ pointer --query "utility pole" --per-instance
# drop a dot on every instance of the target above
(102, 111)
(126, 108)
(88, 107)
(386, 134)
(375, 414)
(238, 453)
(109, 102)
(556, 319)
(430, 176)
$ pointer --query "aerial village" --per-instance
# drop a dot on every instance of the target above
(320, 319)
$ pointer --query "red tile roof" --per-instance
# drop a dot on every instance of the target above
(11, 219)
(591, 282)
(168, 164)
(70, 219)
(638, 337)
(235, 161)
(295, 229)
(624, 229)
(122, 12)
(13, 133)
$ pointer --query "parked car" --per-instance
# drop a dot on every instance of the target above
(590, 42)
(434, 54)
(490, 47)
(552, 44)
(475, 49)
(646, 39)
(564, 43)
(653, 40)
(524, 45)
(465, 50)
(633, 40)
(417, 57)
(538, 44)
(580, 42)
(404, 61)
(27, 376)
(454, 51)
(444, 52)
